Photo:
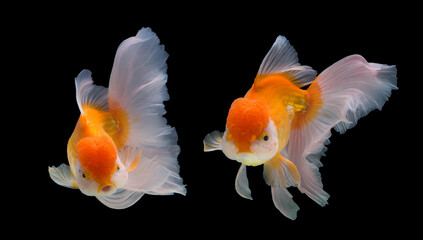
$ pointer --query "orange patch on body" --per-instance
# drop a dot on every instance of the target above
(114, 122)
(121, 136)
(246, 120)
(314, 103)
(97, 156)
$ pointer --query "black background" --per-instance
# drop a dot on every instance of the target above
(214, 56)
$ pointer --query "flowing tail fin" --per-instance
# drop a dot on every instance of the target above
(137, 90)
(340, 95)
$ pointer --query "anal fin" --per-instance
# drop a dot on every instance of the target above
(280, 173)
(284, 203)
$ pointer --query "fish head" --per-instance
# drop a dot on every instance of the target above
(99, 171)
(251, 136)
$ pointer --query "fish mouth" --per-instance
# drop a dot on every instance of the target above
(107, 190)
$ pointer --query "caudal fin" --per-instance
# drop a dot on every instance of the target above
(340, 95)
(136, 93)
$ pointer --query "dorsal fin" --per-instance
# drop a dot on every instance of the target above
(89, 95)
(283, 59)
(93, 103)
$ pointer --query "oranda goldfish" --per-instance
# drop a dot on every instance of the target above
(122, 147)
(284, 127)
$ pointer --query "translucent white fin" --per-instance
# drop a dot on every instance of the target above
(280, 172)
(63, 176)
(282, 58)
(343, 93)
(148, 176)
(284, 203)
(137, 85)
(130, 157)
(137, 91)
(241, 183)
(88, 94)
(213, 141)
(121, 199)
(153, 176)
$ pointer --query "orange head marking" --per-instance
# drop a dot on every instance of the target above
(246, 120)
(97, 156)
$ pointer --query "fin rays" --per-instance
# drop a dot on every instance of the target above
(241, 183)
(131, 112)
(63, 176)
(343, 93)
(282, 58)
(213, 141)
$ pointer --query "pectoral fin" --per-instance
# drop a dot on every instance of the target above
(280, 172)
(130, 156)
(213, 141)
(63, 176)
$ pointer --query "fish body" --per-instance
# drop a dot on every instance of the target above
(121, 147)
(284, 120)
(283, 98)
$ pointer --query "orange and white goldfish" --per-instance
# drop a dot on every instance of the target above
(286, 128)
(122, 147)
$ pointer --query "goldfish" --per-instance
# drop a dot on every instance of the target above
(122, 147)
(284, 121)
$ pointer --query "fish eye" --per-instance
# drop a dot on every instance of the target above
(118, 167)
(83, 175)
(265, 137)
